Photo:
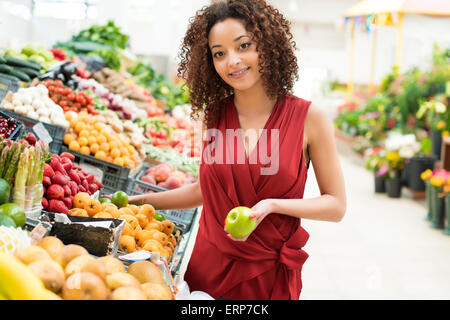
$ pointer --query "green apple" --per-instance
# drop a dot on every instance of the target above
(239, 222)
(120, 199)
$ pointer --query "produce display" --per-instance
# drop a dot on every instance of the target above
(7, 127)
(112, 107)
(165, 176)
(68, 99)
(35, 103)
(63, 180)
(90, 135)
(52, 270)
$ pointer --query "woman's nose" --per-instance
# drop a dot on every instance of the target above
(233, 59)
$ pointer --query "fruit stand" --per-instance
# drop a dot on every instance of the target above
(79, 121)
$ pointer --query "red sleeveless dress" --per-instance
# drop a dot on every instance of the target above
(268, 264)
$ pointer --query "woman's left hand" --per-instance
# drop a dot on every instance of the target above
(260, 210)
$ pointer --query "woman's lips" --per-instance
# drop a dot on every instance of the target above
(239, 74)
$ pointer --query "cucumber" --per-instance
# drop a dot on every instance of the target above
(2, 59)
(19, 74)
(22, 63)
(32, 73)
(5, 68)
(9, 77)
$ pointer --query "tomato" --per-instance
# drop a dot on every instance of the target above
(71, 97)
(67, 91)
(161, 134)
(77, 105)
(63, 103)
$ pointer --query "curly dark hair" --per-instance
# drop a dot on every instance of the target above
(271, 32)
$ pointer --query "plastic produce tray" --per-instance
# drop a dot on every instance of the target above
(56, 132)
(136, 186)
(114, 178)
(20, 128)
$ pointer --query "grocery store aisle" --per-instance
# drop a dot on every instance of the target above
(382, 249)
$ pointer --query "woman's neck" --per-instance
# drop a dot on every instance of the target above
(253, 102)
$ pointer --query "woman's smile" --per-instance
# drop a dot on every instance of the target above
(239, 74)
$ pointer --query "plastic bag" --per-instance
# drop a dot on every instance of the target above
(185, 294)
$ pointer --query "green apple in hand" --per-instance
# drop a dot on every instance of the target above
(240, 222)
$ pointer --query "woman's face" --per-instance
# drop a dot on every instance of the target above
(234, 54)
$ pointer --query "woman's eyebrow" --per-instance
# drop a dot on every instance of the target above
(237, 39)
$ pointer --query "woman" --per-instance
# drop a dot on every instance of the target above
(238, 61)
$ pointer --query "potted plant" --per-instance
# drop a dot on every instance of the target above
(421, 161)
(437, 181)
(374, 161)
(447, 208)
(394, 164)
(425, 176)
(437, 117)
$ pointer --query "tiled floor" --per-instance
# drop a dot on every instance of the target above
(382, 249)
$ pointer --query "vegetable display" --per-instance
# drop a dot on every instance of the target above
(34, 103)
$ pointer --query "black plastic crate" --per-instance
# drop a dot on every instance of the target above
(114, 178)
(56, 132)
(19, 131)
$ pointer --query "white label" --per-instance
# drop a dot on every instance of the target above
(103, 224)
(42, 133)
(136, 256)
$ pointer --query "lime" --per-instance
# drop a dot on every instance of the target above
(7, 221)
(174, 229)
(5, 191)
(15, 212)
(159, 216)
(105, 200)
(120, 199)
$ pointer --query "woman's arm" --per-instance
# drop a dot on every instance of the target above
(185, 197)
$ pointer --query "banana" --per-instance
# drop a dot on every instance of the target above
(17, 282)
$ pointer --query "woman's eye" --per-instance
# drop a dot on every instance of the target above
(245, 45)
(218, 54)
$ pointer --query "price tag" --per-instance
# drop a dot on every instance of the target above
(42, 133)
(37, 233)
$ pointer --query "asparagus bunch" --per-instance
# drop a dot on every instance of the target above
(21, 179)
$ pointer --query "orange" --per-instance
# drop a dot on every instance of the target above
(84, 133)
(82, 141)
(126, 210)
(74, 145)
(118, 161)
(99, 126)
(94, 148)
(173, 240)
(79, 126)
(101, 139)
(93, 206)
(100, 155)
(154, 225)
(113, 211)
(115, 152)
(78, 212)
(131, 149)
(164, 252)
(85, 150)
(80, 199)
(91, 139)
(167, 227)
(103, 214)
(133, 208)
(68, 138)
(143, 221)
(104, 146)
(143, 235)
(128, 230)
(161, 237)
(152, 245)
(132, 220)
(113, 144)
(124, 151)
(127, 244)
(148, 210)
(108, 204)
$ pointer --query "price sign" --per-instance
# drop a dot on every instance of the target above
(42, 133)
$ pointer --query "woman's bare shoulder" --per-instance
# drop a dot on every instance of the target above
(318, 123)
